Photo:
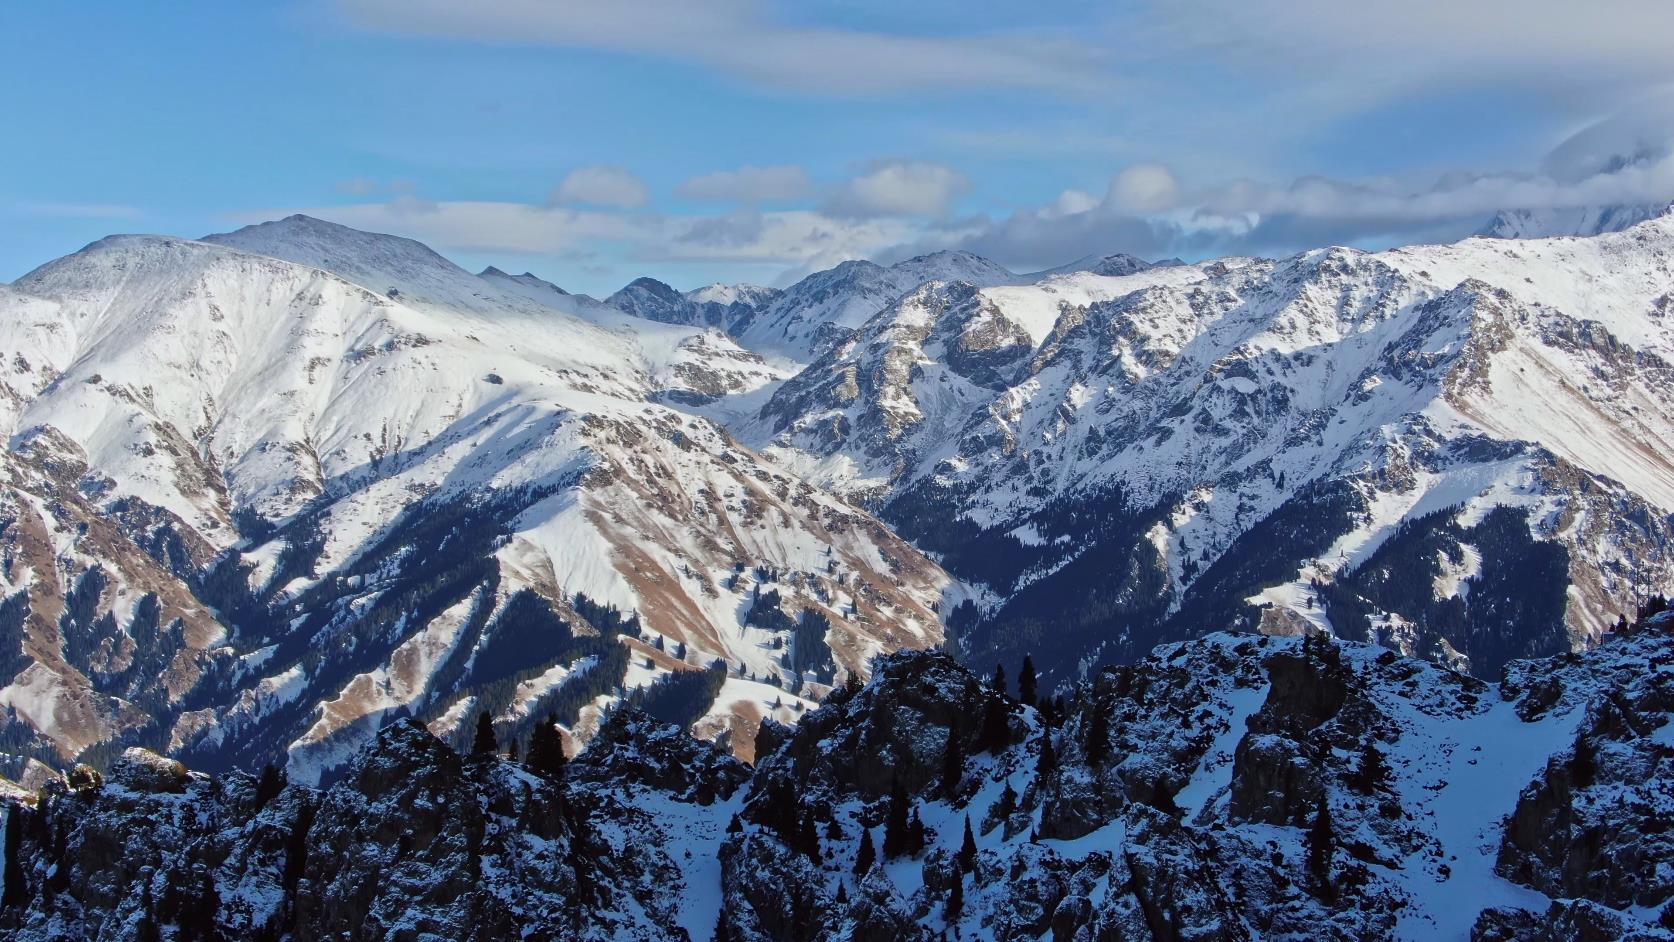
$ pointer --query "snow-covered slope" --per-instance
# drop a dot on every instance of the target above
(819, 311)
(348, 478)
(1167, 426)
(1576, 221)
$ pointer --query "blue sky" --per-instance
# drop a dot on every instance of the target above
(748, 140)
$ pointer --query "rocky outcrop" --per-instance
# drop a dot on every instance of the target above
(1228, 789)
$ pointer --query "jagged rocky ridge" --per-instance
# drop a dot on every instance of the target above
(1128, 459)
(1234, 787)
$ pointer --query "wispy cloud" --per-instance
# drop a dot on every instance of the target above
(741, 38)
(601, 186)
(899, 188)
(77, 210)
(749, 185)
(1628, 159)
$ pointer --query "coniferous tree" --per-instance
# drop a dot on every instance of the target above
(485, 744)
(546, 749)
(967, 849)
(511, 749)
(268, 786)
(866, 856)
(1320, 845)
(996, 725)
(956, 896)
(953, 764)
(1098, 735)
(1048, 762)
(999, 681)
(807, 837)
(1008, 801)
(1026, 681)
(916, 835)
(896, 839)
(833, 830)
(842, 894)
(1583, 765)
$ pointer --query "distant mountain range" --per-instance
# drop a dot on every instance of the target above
(269, 491)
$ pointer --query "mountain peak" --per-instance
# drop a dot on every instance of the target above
(1569, 221)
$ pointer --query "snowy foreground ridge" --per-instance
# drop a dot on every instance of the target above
(1235, 787)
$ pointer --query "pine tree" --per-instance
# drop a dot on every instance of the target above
(268, 786)
(916, 836)
(953, 764)
(956, 897)
(1583, 765)
(1048, 762)
(896, 839)
(1026, 681)
(996, 725)
(842, 894)
(546, 749)
(1098, 735)
(999, 681)
(1008, 801)
(1320, 840)
(866, 856)
(968, 849)
(485, 744)
(511, 749)
(807, 837)
(833, 830)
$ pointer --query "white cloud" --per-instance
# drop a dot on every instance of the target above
(1625, 160)
(601, 186)
(799, 239)
(739, 38)
(748, 185)
(1144, 188)
(899, 188)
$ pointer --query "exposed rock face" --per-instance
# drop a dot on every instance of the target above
(415, 842)
(1233, 788)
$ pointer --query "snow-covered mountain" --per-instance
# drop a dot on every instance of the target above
(818, 311)
(1127, 459)
(728, 308)
(1575, 221)
(1230, 788)
(266, 489)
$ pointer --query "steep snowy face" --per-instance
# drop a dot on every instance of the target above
(727, 308)
(652, 300)
(817, 312)
(1245, 430)
(256, 502)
